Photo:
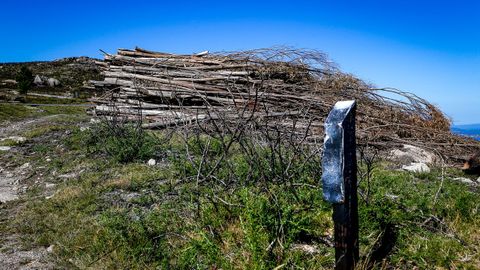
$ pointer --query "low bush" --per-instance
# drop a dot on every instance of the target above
(124, 143)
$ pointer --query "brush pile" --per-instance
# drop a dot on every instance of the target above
(286, 90)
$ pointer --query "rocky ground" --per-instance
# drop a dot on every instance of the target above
(15, 179)
(22, 169)
(24, 133)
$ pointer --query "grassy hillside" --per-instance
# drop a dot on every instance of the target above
(93, 200)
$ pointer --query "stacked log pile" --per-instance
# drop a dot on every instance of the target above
(282, 89)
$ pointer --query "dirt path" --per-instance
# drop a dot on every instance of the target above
(19, 127)
(15, 178)
(12, 173)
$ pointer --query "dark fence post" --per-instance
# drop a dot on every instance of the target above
(339, 179)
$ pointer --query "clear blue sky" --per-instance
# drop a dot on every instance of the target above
(430, 48)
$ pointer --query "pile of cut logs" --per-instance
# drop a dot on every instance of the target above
(284, 89)
(167, 89)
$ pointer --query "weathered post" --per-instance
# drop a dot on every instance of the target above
(339, 180)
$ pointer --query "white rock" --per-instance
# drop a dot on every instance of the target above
(5, 148)
(308, 249)
(416, 167)
(464, 180)
(412, 154)
(16, 139)
(68, 175)
(392, 196)
(24, 166)
(8, 81)
(50, 249)
(82, 129)
(94, 121)
(151, 162)
(38, 80)
(49, 185)
(53, 82)
(478, 180)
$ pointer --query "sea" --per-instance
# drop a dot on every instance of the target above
(468, 130)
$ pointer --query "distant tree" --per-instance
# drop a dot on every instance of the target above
(24, 80)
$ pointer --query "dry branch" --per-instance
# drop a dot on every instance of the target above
(294, 89)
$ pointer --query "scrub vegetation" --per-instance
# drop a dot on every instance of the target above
(111, 195)
(110, 210)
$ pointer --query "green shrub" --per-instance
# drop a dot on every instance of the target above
(124, 143)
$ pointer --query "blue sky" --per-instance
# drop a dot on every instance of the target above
(430, 48)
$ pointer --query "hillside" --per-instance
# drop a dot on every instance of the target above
(72, 74)
(80, 191)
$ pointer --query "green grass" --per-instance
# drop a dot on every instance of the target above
(51, 100)
(12, 112)
(9, 142)
(133, 216)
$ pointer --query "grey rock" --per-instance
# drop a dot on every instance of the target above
(416, 167)
(411, 154)
(49, 185)
(68, 175)
(5, 148)
(464, 180)
(305, 248)
(52, 82)
(16, 139)
(24, 166)
(8, 81)
(392, 196)
(38, 80)
(94, 121)
(151, 162)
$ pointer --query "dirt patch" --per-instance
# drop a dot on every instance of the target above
(12, 256)
(19, 127)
